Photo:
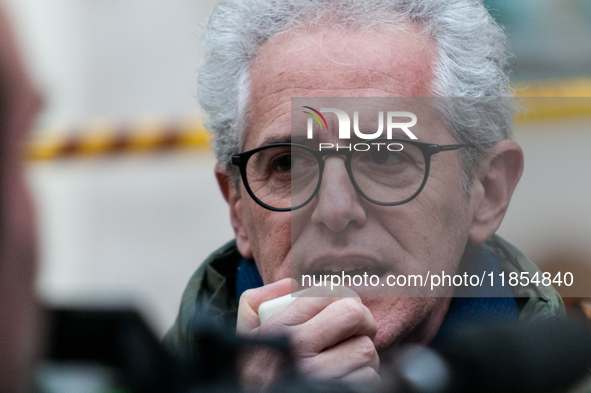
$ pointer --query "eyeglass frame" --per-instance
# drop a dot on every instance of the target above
(428, 150)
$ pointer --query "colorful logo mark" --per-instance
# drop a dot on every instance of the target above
(316, 117)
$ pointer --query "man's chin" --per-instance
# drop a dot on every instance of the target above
(406, 320)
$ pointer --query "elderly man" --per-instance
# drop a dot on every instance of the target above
(259, 55)
(19, 103)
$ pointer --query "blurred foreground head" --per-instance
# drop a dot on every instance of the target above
(18, 105)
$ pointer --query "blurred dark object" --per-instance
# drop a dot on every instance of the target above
(541, 357)
(117, 350)
(215, 367)
(417, 369)
(119, 340)
(532, 357)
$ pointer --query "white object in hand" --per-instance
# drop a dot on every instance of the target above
(270, 307)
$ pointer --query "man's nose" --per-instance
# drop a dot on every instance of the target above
(338, 205)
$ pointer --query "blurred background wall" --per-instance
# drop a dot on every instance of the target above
(132, 226)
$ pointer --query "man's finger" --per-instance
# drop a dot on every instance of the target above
(337, 322)
(312, 302)
(343, 359)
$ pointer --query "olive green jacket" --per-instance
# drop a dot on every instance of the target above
(212, 291)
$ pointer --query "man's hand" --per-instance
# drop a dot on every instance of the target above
(331, 336)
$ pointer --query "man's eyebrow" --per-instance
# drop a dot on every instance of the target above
(272, 139)
(300, 139)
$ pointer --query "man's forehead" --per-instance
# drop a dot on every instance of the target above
(329, 63)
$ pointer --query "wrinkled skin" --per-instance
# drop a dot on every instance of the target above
(432, 230)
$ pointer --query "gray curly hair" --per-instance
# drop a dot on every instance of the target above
(470, 69)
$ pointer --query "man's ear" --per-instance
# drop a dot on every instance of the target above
(493, 187)
(233, 198)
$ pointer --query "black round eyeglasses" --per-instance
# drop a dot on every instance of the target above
(387, 172)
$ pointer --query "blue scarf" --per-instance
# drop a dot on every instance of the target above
(248, 277)
(485, 304)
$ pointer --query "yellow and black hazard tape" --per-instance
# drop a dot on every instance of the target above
(144, 137)
(104, 139)
(572, 87)
(572, 98)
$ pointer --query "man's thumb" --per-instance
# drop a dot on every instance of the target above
(248, 317)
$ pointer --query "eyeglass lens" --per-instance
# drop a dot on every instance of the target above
(285, 177)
